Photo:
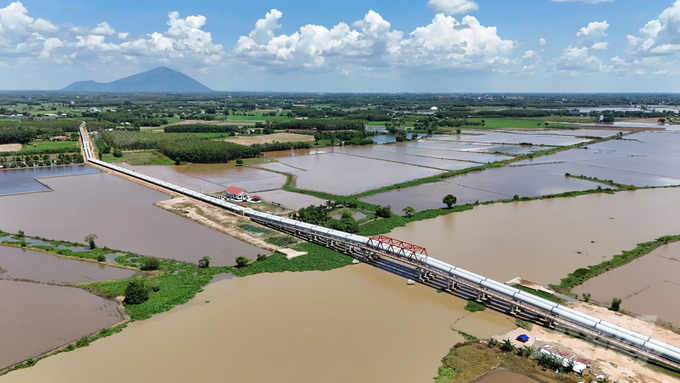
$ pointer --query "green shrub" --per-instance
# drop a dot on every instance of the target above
(101, 258)
(204, 262)
(616, 304)
(117, 153)
(242, 261)
(82, 342)
(474, 306)
(136, 292)
(150, 263)
(261, 257)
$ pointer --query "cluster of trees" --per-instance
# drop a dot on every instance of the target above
(200, 128)
(350, 138)
(319, 215)
(25, 131)
(37, 160)
(320, 125)
(275, 146)
(185, 148)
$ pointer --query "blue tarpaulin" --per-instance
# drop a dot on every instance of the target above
(523, 338)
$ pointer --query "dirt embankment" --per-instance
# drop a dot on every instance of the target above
(215, 218)
(10, 147)
(616, 366)
(270, 138)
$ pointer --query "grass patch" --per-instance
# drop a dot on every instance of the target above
(468, 362)
(467, 336)
(146, 157)
(473, 306)
(581, 275)
(318, 258)
(282, 240)
(515, 123)
(524, 324)
(255, 229)
(541, 294)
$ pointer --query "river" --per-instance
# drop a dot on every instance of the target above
(355, 324)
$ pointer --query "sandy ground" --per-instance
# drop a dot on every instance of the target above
(269, 138)
(17, 147)
(612, 364)
(216, 219)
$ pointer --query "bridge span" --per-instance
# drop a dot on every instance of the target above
(378, 249)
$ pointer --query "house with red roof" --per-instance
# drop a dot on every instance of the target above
(237, 193)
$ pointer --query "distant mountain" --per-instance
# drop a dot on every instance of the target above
(159, 80)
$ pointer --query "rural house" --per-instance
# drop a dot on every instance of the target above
(237, 193)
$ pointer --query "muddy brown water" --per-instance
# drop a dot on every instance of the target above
(488, 185)
(541, 240)
(295, 201)
(44, 317)
(355, 324)
(344, 174)
(122, 214)
(649, 286)
(35, 266)
(505, 376)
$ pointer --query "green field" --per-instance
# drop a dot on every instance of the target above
(146, 157)
(516, 123)
(33, 147)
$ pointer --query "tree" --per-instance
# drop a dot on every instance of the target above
(586, 297)
(616, 304)
(383, 212)
(204, 262)
(450, 200)
(261, 257)
(136, 292)
(242, 261)
(507, 346)
(150, 263)
(90, 239)
(409, 211)
(239, 161)
(458, 131)
(117, 153)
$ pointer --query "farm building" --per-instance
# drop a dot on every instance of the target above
(237, 193)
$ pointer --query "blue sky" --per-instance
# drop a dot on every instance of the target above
(349, 46)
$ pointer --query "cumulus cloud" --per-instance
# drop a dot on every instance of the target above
(594, 30)
(660, 36)
(600, 46)
(580, 60)
(453, 7)
(22, 35)
(370, 42)
(542, 41)
(104, 29)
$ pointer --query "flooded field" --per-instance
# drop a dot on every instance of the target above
(121, 213)
(648, 286)
(543, 241)
(15, 181)
(488, 185)
(356, 324)
(513, 138)
(39, 267)
(45, 317)
(505, 376)
(294, 201)
(642, 159)
(208, 178)
(339, 174)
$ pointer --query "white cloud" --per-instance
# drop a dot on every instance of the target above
(542, 41)
(123, 35)
(600, 46)
(370, 42)
(50, 44)
(104, 29)
(453, 7)
(594, 30)
(579, 60)
(660, 36)
(528, 55)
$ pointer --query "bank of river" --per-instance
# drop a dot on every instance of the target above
(355, 324)
(544, 240)
(44, 317)
(122, 214)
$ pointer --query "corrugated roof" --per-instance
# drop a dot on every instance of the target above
(234, 190)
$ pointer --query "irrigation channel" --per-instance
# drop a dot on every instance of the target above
(381, 251)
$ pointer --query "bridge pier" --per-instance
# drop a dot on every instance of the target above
(452, 286)
(425, 275)
(482, 296)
